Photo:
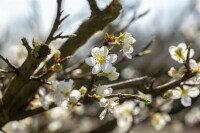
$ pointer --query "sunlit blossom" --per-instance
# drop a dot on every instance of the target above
(185, 94)
(101, 60)
(179, 53)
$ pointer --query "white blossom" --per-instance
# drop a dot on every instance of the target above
(159, 120)
(104, 91)
(74, 96)
(177, 74)
(62, 91)
(65, 87)
(186, 93)
(179, 53)
(101, 60)
(45, 98)
(109, 106)
(112, 75)
(124, 114)
(127, 47)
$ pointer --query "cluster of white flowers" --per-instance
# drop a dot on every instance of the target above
(107, 104)
(180, 54)
(65, 96)
(101, 60)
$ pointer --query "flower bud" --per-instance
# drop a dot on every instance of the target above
(83, 90)
(74, 96)
(56, 67)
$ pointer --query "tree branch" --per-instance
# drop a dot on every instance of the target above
(7, 62)
(93, 6)
(56, 23)
(26, 45)
(138, 83)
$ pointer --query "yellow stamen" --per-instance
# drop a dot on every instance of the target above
(101, 59)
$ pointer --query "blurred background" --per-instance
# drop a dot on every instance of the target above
(168, 22)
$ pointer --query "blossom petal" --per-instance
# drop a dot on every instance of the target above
(191, 53)
(106, 67)
(103, 114)
(193, 65)
(96, 69)
(103, 102)
(193, 92)
(183, 46)
(74, 97)
(127, 38)
(104, 91)
(111, 58)
(113, 76)
(94, 51)
(128, 55)
(186, 101)
(176, 94)
(90, 61)
(42, 91)
(104, 51)
(172, 49)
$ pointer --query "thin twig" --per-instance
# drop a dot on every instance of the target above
(139, 53)
(49, 70)
(124, 97)
(80, 77)
(135, 83)
(56, 23)
(187, 63)
(134, 18)
(91, 83)
(8, 63)
(142, 82)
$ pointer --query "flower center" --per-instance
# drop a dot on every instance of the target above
(179, 53)
(101, 59)
(184, 92)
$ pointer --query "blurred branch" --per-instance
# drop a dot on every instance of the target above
(138, 83)
(142, 84)
(106, 127)
(6, 71)
(139, 53)
(170, 85)
(33, 112)
(124, 97)
(134, 18)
